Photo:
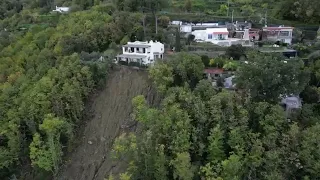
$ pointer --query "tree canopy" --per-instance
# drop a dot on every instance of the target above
(205, 133)
(47, 73)
(268, 77)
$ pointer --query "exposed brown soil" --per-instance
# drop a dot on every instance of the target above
(111, 109)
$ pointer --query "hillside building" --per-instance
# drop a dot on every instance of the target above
(213, 35)
(62, 9)
(220, 36)
(143, 53)
(281, 33)
(186, 28)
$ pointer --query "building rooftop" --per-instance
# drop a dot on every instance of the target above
(276, 28)
(293, 102)
(213, 71)
(137, 45)
(62, 9)
(218, 30)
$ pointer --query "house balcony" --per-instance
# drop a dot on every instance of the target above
(134, 59)
(135, 52)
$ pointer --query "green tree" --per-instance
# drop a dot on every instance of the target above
(309, 150)
(232, 167)
(164, 21)
(215, 148)
(162, 75)
(47, 154)
(178, 45)
(236, 52)
(267, 77)
(186, 68)
(188, 5)
(182, 167)
(190, 39)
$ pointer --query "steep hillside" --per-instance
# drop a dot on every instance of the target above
(111, 111)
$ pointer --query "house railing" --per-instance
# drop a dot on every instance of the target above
(132, 64)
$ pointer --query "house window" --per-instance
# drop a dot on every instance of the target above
(209, 36)
(220, 37)
(284, 33)
(144, 50)
(132, 49)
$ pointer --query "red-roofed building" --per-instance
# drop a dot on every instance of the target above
(213, 73)
(283, 34)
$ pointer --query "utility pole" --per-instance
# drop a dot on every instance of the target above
(228, 8)
(232, 16)
(156, 19)
(144, 26)
(265, 18)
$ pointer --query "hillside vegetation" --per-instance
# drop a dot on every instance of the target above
(46, 77)
(201, 132)
(51, 64)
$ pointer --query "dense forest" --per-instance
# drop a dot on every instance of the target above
(49, 67)
(200, 132)
(51, 63)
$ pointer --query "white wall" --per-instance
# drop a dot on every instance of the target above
(216, 37)
(157, 47)
(186, 28)
(288, 40)
(199, 34)
(176, 22)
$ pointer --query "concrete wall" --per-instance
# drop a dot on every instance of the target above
(186, 28)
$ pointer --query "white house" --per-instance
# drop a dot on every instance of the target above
(281, 33)
(176, 22)
(62, 9)
(144, 53)
(291, 103)
(217, 34)
(199, 35)
(213, 35)
(186, 28)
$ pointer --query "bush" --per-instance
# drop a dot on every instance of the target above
(236, 51)
(164, 21)
(205, 60)
(205, 47)
(105, 8)
(310, 95)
